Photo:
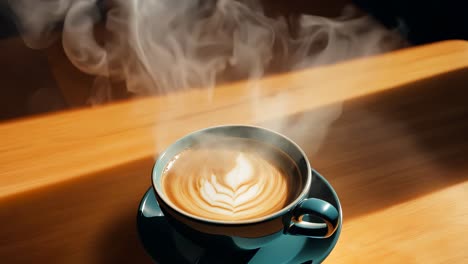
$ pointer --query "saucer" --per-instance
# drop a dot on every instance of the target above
(165, 245)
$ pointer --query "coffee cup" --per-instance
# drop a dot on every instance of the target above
(238, 187)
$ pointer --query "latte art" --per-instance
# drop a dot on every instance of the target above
(242, 189)
(228, 185)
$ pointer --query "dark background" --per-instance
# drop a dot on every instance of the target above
(419, 21)
(424, 20)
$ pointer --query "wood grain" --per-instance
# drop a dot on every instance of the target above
(398, 161)
(430, 229)
(122, 132)
(70, 182)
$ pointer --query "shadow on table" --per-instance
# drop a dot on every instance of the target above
(91, 219)
(385, 149)
(398, 145)
(119, 241)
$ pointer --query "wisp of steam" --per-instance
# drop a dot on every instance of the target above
(160, 46)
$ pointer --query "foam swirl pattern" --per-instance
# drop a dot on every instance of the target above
(225, 185)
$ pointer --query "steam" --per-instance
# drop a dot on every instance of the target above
(161, 46)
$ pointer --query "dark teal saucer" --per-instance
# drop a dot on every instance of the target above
(165, 245)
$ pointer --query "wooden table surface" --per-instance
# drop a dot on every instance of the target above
(70, 182)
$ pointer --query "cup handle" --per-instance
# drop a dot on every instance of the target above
(319, 209)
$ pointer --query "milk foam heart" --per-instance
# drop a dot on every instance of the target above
(241, 189)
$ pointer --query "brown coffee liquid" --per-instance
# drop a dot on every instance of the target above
(231, 179)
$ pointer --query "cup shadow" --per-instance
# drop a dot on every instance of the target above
(119, 241)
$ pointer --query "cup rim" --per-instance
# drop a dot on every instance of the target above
(276, 214)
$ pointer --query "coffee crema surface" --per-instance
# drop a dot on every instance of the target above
(231, 180)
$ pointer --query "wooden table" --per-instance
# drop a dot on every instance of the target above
(70, 182)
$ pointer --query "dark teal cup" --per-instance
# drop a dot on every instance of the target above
(304, 216)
